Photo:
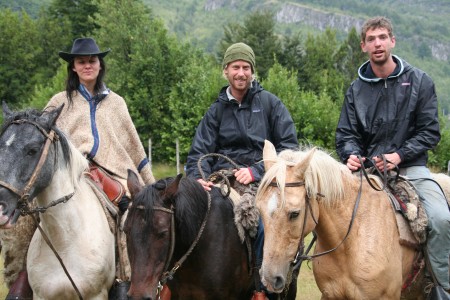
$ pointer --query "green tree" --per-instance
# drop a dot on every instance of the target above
(320, 72)
(78, 13)
(293, 52)
(200, 83)
(53, 36)
(423, 51)
(258, 31)
(19, 47)
(350, 57)
(315, 116)
(45, 90)
(440, 156)
(143, 64)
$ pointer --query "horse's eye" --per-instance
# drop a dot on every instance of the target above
(32, 151)
(294, 215)
(162, 234)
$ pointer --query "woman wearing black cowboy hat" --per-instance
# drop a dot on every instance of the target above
(96, 119)
(98, 123)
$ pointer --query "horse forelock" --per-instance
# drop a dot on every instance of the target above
(323, 176)
(32, 115)
(277, 173)
(189, 205)
(148, 198)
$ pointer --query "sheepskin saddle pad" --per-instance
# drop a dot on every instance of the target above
(406, 202)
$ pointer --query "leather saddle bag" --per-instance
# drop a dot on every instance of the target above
(110, 186)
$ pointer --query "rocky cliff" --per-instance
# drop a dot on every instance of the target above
(294, 13)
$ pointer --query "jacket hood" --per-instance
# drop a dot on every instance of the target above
(365, 72)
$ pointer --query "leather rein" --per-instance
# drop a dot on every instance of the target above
(300, 256)
(168, 275)
(24, 195)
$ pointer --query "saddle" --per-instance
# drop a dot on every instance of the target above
(242, 197)
(406, 200)
(104, 181)
(411, 218)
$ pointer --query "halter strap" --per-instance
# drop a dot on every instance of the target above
(169, 274)
(299, 257)
(24, 194)
(289, 184)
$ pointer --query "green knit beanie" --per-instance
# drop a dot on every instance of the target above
(239, 51)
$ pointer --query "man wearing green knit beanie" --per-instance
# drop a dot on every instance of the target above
(239, 51)
(236, 125)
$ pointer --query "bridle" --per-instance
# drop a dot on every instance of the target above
(168, 274)
(24, 194)
(300, 256)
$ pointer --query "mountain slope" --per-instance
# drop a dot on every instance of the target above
(422, 28)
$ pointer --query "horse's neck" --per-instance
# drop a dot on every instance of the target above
(60, 186)
(368, 207)
(69, 213)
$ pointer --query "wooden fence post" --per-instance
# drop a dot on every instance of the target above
(150, 153)
(177, 143)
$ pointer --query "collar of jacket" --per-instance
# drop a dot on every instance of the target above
(366, 74)
(251, 92)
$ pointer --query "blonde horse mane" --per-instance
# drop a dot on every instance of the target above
(324, 175)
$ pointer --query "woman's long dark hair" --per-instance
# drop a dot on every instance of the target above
(73, 81)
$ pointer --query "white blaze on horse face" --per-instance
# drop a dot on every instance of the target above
(272, 204)
(10, 141)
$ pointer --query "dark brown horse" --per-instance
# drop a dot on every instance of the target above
(171, 213)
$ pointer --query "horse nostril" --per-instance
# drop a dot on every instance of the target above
(279, 283)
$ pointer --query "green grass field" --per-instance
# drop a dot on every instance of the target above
(307, 289)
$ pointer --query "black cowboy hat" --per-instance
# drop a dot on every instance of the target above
(83, 47)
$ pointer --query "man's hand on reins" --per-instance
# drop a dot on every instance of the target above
(244, 175)
(353, 162)
(206, 184)
(391, 161)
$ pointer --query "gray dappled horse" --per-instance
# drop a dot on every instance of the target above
(37, 161)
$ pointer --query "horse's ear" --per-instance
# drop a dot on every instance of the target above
(172, 189)
(300, 167)
(269, 155)
(53, 115)
(134, 186)
(6, 111)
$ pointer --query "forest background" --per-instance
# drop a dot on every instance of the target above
(165, 58)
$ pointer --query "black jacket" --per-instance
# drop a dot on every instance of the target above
(238, 132)
(397, 114)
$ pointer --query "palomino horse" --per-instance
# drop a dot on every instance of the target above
(306, 191)
(37, 161)
(175, 229)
